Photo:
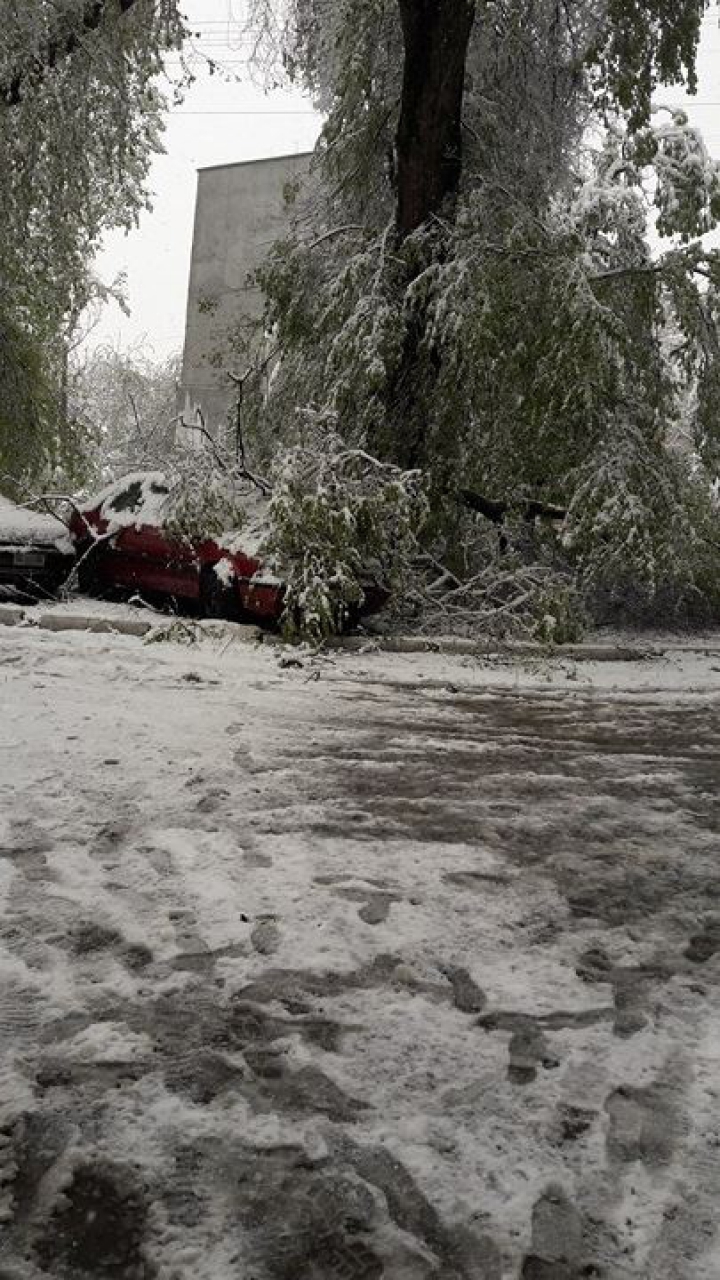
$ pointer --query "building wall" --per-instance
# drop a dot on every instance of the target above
(239, 213)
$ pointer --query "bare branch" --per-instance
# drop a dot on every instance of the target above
(207, 435)
(222, 462)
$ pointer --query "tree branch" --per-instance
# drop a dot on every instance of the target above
(207, 436)
(56, 49)
(221, 462)
(348, 229)
(529, 508)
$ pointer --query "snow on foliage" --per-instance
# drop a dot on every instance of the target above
(627, 524)
(688, 179)
(341, 523)
(125, 404)
(80, 119)
(543, 364)
(524, 342)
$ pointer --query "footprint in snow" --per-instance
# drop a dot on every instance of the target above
(376, 903)
(266, 936)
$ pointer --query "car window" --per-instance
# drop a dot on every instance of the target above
(128, 499)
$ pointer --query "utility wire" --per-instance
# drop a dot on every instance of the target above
(180, 112)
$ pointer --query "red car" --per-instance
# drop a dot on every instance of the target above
(123, 542)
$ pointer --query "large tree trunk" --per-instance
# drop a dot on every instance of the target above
(436, 34)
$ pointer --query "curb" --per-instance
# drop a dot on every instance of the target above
(104, 626)
(11, 615)
(459, 646)
(242, 632)
(208, 628)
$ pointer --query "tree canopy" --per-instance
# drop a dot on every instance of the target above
(80, 119)
(470, 288)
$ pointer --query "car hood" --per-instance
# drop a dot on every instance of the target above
(250, 538)
(22, 527)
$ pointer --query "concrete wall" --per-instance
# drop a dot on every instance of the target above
(240, 212)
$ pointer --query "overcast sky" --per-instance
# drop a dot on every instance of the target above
(221, 122)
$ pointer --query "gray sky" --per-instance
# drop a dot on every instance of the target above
(221, 122)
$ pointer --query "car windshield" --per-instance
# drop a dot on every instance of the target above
(129, 499)
(136, 496)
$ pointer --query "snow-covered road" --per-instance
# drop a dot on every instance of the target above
(374, 967)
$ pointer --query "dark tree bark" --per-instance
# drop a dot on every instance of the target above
(436, 34)
(60, 46)
(529, 508)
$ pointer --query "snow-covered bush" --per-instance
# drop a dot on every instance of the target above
(642, 530)
(340, 523)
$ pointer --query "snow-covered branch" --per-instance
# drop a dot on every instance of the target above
(73, 23)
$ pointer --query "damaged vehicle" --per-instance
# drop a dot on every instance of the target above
(133, 537)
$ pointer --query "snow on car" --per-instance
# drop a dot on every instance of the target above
(36, 551)
(127, 539)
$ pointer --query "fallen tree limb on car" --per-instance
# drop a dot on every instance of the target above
(529, 508)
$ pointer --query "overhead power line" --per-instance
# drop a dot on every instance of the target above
(179, 111)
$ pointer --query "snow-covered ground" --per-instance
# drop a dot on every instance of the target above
(376, 965)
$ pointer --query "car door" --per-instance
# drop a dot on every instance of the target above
(161, 562)
(144, 556)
